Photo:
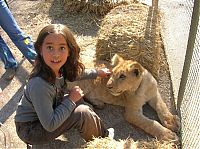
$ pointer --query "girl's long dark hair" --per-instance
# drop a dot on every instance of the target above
(72, 67)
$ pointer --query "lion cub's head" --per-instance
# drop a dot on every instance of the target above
(126, 75)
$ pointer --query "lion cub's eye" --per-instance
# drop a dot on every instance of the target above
(122, 76)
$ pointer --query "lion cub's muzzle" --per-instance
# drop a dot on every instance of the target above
(113, 90)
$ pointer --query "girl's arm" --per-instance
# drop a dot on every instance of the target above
(42, 96)
(93, 73)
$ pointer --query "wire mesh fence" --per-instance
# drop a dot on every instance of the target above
(189, 92)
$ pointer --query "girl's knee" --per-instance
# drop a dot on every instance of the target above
(86, 114)
(83, 109)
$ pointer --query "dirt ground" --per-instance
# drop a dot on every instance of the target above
(32, 16)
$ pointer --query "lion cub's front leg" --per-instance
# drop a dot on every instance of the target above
(152, 127)
(167, 119)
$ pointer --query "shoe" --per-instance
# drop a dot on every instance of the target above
(10, 73)
(111, 133)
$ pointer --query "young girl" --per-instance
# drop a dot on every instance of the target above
(47, 109)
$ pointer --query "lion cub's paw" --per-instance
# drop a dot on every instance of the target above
(168, 135)
(172, 122)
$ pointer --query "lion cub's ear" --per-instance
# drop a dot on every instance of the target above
(116, 59)
(137, 69)
(136, 72)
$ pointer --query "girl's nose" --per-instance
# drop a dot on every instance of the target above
(56, 53)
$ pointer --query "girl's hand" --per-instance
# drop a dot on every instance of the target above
(104, 72)
(75, 94)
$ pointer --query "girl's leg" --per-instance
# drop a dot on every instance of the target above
(83, 118)
(9, 25)
(87, 122)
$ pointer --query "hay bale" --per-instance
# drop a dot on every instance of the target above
(133, 32)
(99, 7)
(107, 143)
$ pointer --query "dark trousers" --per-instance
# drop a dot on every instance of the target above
(83, 118)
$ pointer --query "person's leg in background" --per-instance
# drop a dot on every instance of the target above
(18, 37)
(7, 58)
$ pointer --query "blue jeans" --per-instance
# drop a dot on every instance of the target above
(18, 37)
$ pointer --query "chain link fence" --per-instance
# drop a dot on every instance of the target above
(188, 103)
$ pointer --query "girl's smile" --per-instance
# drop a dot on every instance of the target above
(55, 51)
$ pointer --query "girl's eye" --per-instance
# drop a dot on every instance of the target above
(62, 48)
(50, 48)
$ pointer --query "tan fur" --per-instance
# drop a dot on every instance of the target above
(131, 86)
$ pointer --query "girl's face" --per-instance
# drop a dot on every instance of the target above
(55, 51)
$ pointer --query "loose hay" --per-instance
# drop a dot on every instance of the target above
(99, 7)
(132, 31)
(107, 143)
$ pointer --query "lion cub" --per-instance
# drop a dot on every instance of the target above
(131, 86)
